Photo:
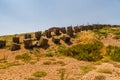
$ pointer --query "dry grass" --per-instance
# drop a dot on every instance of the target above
(86, 69)
(47, 63)
(107, 71)
(86, 37)
(100, 77)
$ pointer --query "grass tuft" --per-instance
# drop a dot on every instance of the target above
(40, 74)
(107, 71)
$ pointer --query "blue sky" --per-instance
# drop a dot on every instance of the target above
(19, 16)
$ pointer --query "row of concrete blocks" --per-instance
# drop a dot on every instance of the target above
(70, 30)
(42, 41)
(29, 43)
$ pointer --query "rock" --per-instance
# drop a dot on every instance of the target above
(35, 43)
(63, 30)
(15, 47)
(55, 39)
(43, 42)
(57, 31)
(70, 31)
(27, 36)
(2, 43)
(38, 35)
(48, 33)
(66, 38)
(76, 29)
(28, 43)
(15, 40)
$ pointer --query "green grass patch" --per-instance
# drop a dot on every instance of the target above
(25, 57)
(40, 74)
(7, 65)
(32, 79)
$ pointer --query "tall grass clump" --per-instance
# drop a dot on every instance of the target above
(88, 52)
(114, 53)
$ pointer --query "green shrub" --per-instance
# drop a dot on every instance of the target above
(24, 57)
(39, 74)
(114, 53)
(88, 52)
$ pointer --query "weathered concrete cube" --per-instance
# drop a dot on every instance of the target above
(2, 43)
(43, 42)
(27, 36)
(38, 35)
(70, 31)
(15, 47)
(76, 29)
(56, 31)
(28, 43)
(63, 30)
(56, 40)
(66, 38)
(16, 40)
(48, 33)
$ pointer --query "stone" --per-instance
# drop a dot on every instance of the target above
(55, 39)
(35, 43)
(28, 43)
(27, 36)
(63, 30)
(76, 29)
(38, 35)
(43, 42)
(66, 38)
(70, 31)
(2, 43)
(48, 33)
(56, 31)
(16, 40)
(15, 47)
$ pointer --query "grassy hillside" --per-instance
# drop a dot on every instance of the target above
(93, 55)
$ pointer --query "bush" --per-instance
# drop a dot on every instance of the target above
(114, 53)
(39, 74)
(88, 52)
